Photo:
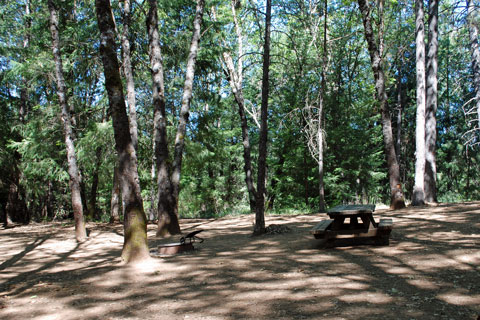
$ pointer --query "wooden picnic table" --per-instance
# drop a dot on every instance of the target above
(360, 224)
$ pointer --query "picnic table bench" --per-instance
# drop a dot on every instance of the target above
(185, 244)
(361, 224)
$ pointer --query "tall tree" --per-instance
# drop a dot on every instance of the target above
(259, 227)
(16, 209)
(186, 99)
(321, 100)
(315, 110)
(418, 190)
(397, 200)
(323, 89)
(475, 58)
(167, 217)
(431, 105)
(135, 246)
(73, 171)
(127, 69)
(235, 77)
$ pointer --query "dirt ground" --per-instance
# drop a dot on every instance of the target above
(430, 270)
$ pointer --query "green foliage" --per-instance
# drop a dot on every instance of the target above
(213, 182)
(43, 155)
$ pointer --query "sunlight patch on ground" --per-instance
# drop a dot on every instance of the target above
(354, 286)
(399, 270)
(312, 256)
(436, 261)
(460, 299)
(370, 297)
(423, 284)
(472, 258)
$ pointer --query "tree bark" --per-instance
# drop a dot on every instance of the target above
(80, 231)
(418, 197)
(135, 246)
(185, 108)
(127, 69)
(259, 227)
(168, 223)
(475, 54)
(397, 201)
(431, 105)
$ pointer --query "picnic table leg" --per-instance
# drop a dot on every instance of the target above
(354, 222)
(385, 228)
(338, 223)
(368, 221)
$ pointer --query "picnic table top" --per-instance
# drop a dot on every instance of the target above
(351, 209)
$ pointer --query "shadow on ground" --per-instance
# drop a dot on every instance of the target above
(429, 271)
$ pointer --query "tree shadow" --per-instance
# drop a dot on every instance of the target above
(29, 248)
(427, 272)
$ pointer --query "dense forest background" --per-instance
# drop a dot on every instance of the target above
(34, 178)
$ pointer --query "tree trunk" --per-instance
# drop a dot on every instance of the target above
(115, 201)
(431, 105)
(400, 110)
(418, 197)
(323, 88)
(152, 213)
(475, 54)
(127, 69)
(321, 189)
(236, 85)
(185, 108)
(11, 206)
(275, 177)
(15, 207)
(50, 198)
(135, 246)
(80, 232)
(397, 201)
(259, 227)
(17, 210)
(167, 217)
(92, 205)
(467, 185)
(83, 195)
(23, 111)
(306, 183)
(398, 143)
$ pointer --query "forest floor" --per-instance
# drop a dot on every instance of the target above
(430, 270)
